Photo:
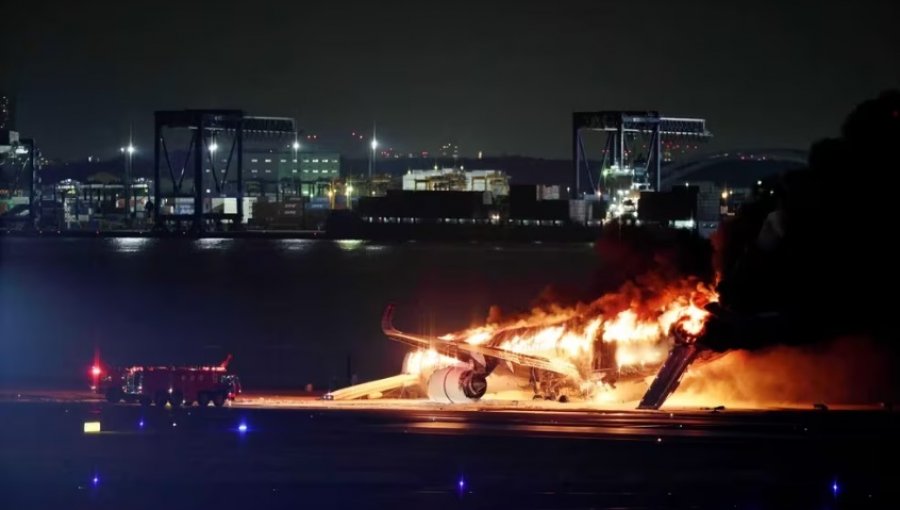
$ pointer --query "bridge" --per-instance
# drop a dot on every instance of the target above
(682, 170)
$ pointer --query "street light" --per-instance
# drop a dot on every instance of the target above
(296, 147)
(128, 150)
(374, 145)
(372, 161)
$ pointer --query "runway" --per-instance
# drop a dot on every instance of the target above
(301, 452)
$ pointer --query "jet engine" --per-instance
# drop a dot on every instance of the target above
(454, 385)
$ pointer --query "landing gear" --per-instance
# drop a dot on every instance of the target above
(203, 399)
(219, 399)
(161, 399)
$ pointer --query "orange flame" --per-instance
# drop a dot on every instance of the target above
(638, 321)
(423, 361)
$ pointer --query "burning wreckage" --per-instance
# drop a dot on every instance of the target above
(580, 352)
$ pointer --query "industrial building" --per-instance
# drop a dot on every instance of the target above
(94, 205)
(274, 173)
(454, 179)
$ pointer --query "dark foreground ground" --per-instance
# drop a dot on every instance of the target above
(431, 458)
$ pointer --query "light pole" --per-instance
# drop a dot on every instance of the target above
(296, 147)
(128, 152)
(372, 158)
(213, 147)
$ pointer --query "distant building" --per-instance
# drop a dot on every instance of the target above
(317, 172)
(315, 166)
(7, 112)
(285, 172)
(450, 150)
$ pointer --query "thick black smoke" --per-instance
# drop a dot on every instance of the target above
(815, 260)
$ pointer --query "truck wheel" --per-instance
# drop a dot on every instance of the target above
(113, 395)
(203, 399)
(145, 401)
(177, 399)
(161, 399)
(219, 399)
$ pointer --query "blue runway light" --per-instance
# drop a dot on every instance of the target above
(242, 428)
(141, 424)
(834, 487)
(461, 484)
(95, 480)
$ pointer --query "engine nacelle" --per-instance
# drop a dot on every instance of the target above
(453, 385)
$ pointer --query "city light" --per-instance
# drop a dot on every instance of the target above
(349, 190)
(130, 149)
(296, 145)
(213, 147)
(374, 144)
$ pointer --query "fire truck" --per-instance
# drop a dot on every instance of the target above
(176, 386)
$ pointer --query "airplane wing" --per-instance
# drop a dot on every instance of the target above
(453, 349)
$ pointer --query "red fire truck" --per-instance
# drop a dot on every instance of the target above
(176, 386)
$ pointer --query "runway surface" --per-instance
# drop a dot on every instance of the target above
(296, 452)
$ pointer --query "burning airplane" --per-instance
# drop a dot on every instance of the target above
(579, 352)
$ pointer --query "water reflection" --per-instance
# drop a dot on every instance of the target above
(349, 244)
(213, 243)
(296, 244)
(130, 244)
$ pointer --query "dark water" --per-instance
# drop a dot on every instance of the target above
(291, 311)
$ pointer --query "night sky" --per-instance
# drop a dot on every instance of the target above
(502, 77)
